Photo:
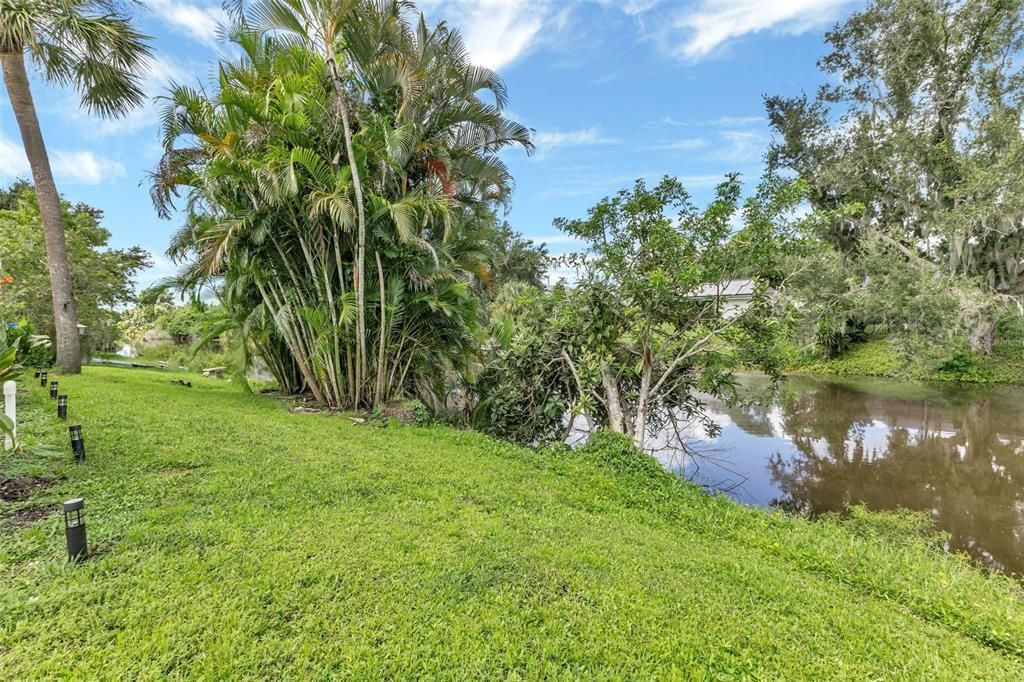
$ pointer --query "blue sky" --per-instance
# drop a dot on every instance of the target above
(615, 90)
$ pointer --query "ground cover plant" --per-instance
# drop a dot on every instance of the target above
(231, 537)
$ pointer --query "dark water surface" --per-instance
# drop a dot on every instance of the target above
(956, 451)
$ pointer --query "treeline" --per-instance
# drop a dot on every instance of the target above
(103, 278)
(912, 155)
(341, 187)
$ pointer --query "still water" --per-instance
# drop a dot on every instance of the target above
(955, 451)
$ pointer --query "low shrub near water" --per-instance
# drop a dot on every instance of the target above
(963, 365)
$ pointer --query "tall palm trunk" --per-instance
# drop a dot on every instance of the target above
(65, 313)
(357, 186)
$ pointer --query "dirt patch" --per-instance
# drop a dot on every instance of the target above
(22, 518)
(22, 487)
(404, 411)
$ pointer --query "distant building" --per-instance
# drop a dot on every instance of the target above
(734, 295)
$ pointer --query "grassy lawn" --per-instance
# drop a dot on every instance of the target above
(234, 539)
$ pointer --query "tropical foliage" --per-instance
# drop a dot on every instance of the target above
(339, 191)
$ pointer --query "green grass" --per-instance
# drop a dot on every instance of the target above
(881, 358)
(234, 539)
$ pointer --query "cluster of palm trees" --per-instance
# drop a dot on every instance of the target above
(339, 186)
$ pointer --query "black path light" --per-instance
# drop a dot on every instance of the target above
(37, 373)
(53, 390)
(42, 378)
(62, 407)
(77, 444)
(74, 528)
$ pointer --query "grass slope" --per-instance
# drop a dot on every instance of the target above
(237, 540)
(881, 358)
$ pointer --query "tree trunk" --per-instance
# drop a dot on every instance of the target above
(640, 426)
(65, 312)
(360, 268)
(616, 420)
(379, 393)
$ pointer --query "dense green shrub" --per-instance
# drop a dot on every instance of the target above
(963, 365)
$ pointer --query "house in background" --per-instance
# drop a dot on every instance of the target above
(733, 295)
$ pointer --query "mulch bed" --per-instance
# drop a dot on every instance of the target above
(22, 487)
(26, 517)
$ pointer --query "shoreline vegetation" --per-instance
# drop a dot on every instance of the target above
(881, 358)
(334, 549)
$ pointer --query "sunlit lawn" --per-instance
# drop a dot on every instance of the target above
(234, 539)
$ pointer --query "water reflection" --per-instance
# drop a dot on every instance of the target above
(957, 452)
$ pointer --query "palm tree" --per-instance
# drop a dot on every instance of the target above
(82, 43)
(320, 26)
(274, 216)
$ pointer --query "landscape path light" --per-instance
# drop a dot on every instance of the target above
(53, 390)
(37, 373)
(42, 378)
(74, 528)
(77, 444)
(11, 410)
(62, 407)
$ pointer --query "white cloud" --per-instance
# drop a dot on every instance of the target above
(717, 122)
(12, 159)
(691, 181)
(498, 33)
(685, 145)
(560, 239)
(548, 141)
(712, 23)
(200, 22)
(81, 166)
(85, 167)
(741, 145)
(631, 7)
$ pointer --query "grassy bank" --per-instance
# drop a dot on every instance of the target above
(880, 358)
(234, 539)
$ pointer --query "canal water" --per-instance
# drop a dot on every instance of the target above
(955, 451)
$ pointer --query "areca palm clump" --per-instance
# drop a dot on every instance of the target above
(88, 45)
(340, 188)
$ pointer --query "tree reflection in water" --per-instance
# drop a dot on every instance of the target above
(954, 451)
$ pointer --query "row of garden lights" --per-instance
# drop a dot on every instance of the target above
(77, 443)
(74, 510)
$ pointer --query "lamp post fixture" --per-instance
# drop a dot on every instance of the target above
(74, 528)
(42, 378)
(77, 444)
(62, 407)
(53, 390)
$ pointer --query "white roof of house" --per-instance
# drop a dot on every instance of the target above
(730, 288)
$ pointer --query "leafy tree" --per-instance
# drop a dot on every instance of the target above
(153, 303)
(912, 151)
(524, 389)
(88, 45)
(644, 329)
(188, 322)
(517, 259)
(103, 277)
